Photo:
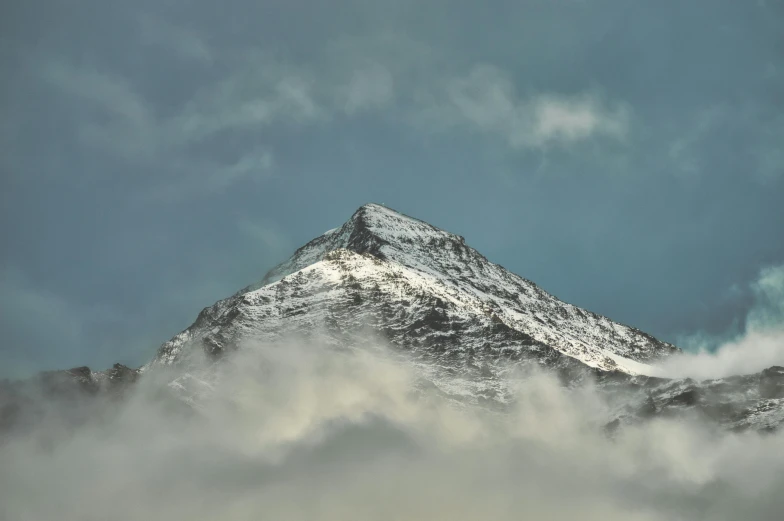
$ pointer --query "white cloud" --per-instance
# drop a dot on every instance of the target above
(572, 119)
(760, 346)
(369, 87)
(486, 100)
(769, 296)
(267, 441)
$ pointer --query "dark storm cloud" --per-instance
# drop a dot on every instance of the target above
(157, 156)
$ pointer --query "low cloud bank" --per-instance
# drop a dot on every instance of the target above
(760, 346)
(752, 352)
(297, 431)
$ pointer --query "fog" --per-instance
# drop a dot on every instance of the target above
(759, 346)
(296, 431)
(750, 353)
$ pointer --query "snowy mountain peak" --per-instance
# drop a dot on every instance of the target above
(396, 228)
(423, 289)
(374, 229)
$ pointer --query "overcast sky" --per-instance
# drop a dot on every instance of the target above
(627, 156)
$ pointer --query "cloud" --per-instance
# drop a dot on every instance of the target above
(387, 76)
(206, 177)
(369, 87)
(126, 124)
(109, 93)
(486, 100)
(576, 118)
(760, 346)
(257, 161)
(265, 439)
(258, 92)
(768, 289)
(246, 99)
(763, 159)
(116, 118)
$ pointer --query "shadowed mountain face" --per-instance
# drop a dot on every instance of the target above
(461, 321)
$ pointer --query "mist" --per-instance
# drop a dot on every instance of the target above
(298, 431)
(759, 346)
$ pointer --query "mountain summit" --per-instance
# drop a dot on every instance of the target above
(422, 289)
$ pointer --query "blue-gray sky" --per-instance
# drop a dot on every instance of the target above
(628, 156)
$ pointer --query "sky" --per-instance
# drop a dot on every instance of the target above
(156, 156)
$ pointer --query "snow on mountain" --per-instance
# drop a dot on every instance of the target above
(423, 289)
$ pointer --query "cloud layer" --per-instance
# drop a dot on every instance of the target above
(297, 432)
(761, 345)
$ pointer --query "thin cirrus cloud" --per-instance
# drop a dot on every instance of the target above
(370, 87)
(128, 126)
(260, 90)
(213, 177)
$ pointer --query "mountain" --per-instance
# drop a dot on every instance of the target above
(459, 319)
(422, 289)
